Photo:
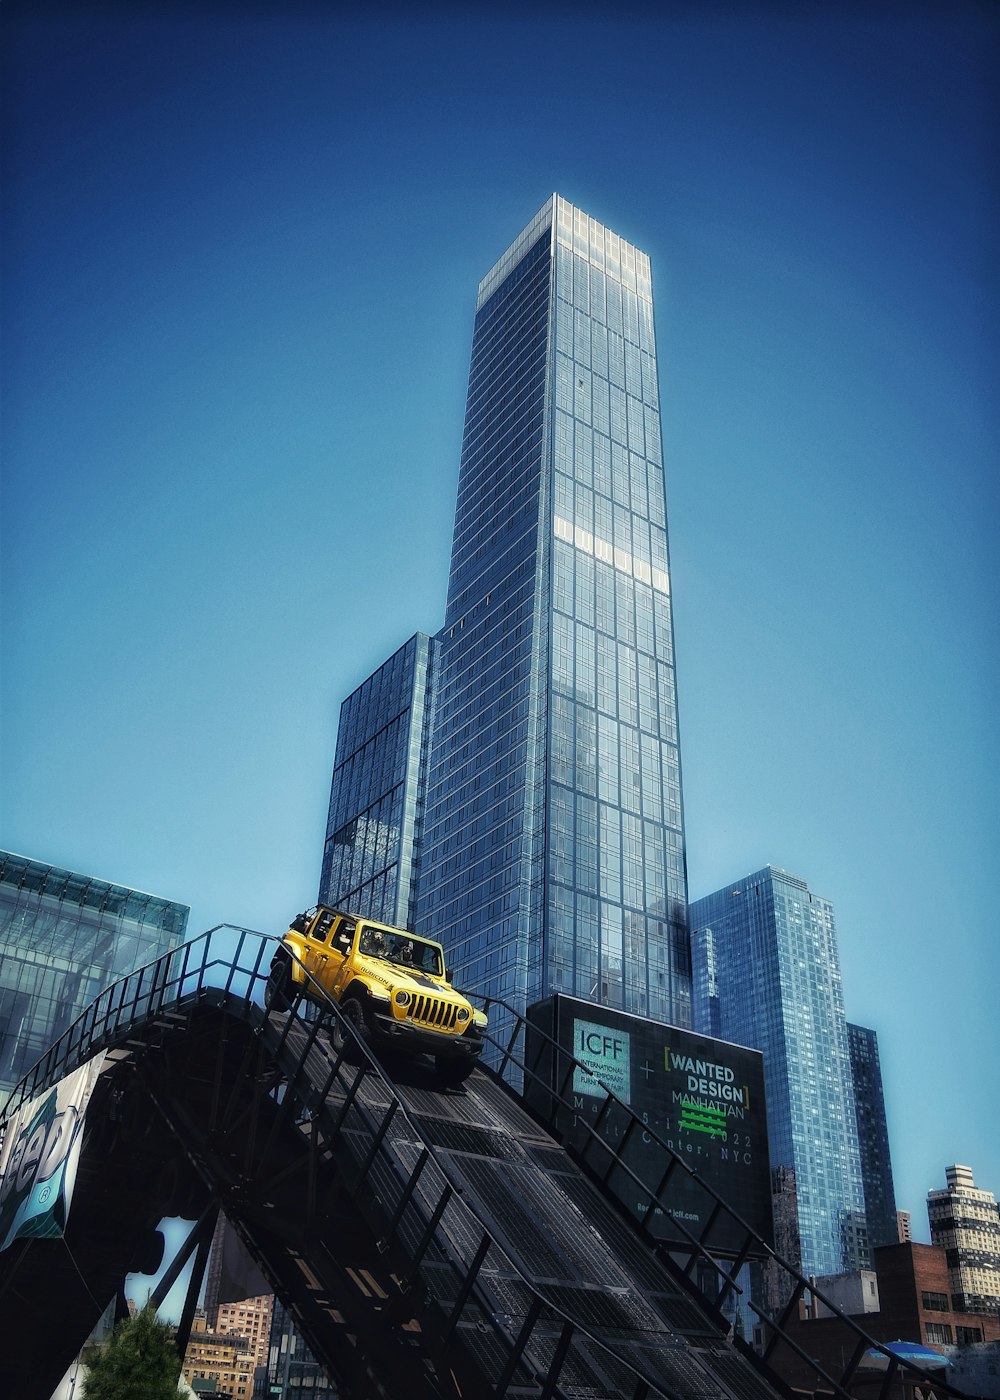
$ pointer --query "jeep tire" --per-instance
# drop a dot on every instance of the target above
(354, 1013)
(278, 988)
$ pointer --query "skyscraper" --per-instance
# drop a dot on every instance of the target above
(64, 937)
(776, 986)
(965, 1221)
(551, 845)
(873, 1136)
(378, 776)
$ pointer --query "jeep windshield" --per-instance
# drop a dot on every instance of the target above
(401, 948)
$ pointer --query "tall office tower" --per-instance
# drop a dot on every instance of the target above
(777, 975)
(873, 1137)
(787, 1243)
(378, 776)
(64, 937)
(552, 856)
(965, 1221)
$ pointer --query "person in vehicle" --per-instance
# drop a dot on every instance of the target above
(373, 943)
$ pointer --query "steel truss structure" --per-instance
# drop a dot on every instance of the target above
(430, 1243)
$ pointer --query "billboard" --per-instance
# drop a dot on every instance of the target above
(39, 1157)
(702, 1096)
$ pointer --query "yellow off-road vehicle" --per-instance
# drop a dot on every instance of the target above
(392, 986)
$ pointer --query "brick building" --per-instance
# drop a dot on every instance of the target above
(916, 1301)
(915, 1305)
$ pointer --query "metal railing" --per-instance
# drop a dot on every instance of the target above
(227, 958)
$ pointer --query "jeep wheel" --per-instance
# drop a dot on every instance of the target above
(278, 988)
(354, 1013)
(454, 1072)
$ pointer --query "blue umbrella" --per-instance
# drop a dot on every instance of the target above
(914, 1353)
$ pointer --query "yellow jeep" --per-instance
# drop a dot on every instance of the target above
(392, 986)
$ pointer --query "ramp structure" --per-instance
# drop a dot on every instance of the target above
(431, 1243)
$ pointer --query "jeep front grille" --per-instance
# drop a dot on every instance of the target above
(432, 1011)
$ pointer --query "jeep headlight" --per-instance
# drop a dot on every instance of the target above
(463, 1013)
(402, 998)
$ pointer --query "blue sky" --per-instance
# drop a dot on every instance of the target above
(239, 274)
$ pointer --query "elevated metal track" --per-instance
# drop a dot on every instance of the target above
(430, 1243)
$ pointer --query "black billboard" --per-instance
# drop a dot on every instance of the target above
(703, 1097)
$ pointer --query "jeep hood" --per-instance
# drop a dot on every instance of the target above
(402, 978)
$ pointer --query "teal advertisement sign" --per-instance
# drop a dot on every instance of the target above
(606, 1053)
(39, 1157)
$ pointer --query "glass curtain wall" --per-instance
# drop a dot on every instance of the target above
(617, 888)
(64, 938)
(779, 990)
(553, 857)
(873, 1136)
(368, 858)
(481, 878)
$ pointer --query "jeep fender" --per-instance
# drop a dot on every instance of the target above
(285, 954)
(356, 991)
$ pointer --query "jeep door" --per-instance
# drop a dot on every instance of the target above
(317, 946)
(335, 953)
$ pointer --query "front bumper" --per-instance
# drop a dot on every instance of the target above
(404, 1035)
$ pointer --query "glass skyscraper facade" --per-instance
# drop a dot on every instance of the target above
(64, 937)
(375, 797)
(873, 1136)
(552, 853)
(767, 974)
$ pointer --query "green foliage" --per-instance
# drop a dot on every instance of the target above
(139, 1363)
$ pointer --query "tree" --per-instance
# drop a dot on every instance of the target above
(139, 1363)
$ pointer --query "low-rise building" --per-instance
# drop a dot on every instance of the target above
(914, 1305)
(916, 1300)
(853, 1294)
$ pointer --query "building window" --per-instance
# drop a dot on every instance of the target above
(934, 1302)
(965, 1336)
(939, 1332)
